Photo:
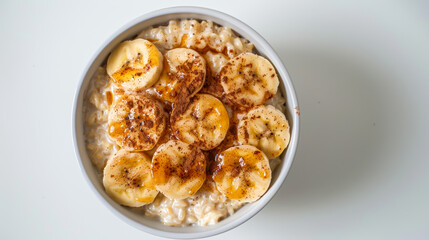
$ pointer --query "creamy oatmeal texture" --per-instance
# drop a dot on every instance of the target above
(217, 45)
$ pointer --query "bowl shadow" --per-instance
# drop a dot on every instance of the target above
(340, 136)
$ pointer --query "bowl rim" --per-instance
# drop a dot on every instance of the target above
(289, 89)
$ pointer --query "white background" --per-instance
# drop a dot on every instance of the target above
(361, 72)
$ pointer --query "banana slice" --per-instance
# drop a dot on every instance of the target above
(128, 180)
(183, 75)
(136, 122)
(205, 122)
(135, 64)
(178, 169)
(242, 173)
(249, 80)
(266, 128)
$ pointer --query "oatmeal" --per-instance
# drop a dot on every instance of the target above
(193, 102)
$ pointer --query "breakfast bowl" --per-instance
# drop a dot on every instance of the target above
(93, 170)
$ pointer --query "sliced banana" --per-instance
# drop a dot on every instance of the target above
(135, 64)
(178, 169)
(205, 122)
(266, 128)
(249, 80)
(242, 173)
(128, 180)
(183, 75)
(136, 122)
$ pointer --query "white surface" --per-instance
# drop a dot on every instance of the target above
(362, 78)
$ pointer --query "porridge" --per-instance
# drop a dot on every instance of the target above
(184, 123)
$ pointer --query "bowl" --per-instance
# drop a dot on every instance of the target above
(130, 30)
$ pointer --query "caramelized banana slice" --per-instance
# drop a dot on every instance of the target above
(249, 80)
(266, 128)
(136, 122)
(205, 122)
(183, 75)
(178, 169)
(242, 173)
(135, 64)
(128, 180)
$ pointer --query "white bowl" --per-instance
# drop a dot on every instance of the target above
(130, 30)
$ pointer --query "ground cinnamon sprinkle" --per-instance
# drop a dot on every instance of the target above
(182, 98)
